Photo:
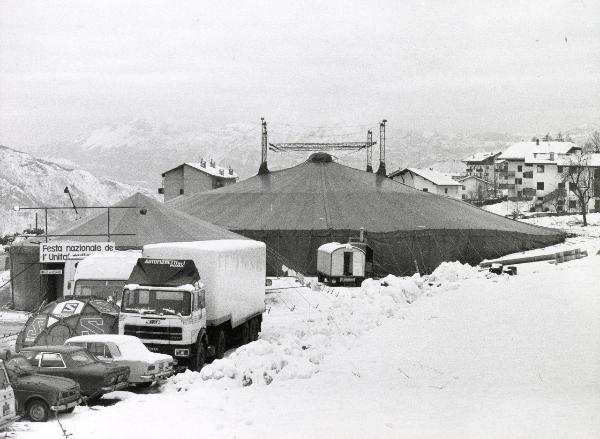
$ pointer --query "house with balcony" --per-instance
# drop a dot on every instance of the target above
(483, 166)
(529, 169)
(428, 180)
(192, 178)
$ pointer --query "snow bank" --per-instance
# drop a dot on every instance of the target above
(286, 352)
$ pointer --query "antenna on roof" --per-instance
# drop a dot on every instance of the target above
(263, 169)
(381, 170)
(369, 151)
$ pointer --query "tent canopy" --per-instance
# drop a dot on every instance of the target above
(148, 222)
(296, 210)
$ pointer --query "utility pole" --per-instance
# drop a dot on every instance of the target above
(381, 170)
(369, 151)
(263, 169)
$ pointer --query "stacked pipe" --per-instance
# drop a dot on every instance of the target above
(381, 170)
(263, 169)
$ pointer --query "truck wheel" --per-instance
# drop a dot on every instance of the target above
(320, 277)
(220, 344)
(37, 411)
(199, 357)
(244, 334)
(253, 329)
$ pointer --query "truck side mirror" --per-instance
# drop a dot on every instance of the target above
(201, 296)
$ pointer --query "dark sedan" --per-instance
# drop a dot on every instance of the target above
(94, 376)
(38, 395)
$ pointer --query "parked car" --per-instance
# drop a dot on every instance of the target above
(145, 367)
(8, 407)
(94, 376)
(38, 395)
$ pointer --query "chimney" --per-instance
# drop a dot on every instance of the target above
(362, 234)
(381, 170)
(212, 163)
(230, 170)
(202, 163)
(537, 141)
(222, 171)
(263, 169)
(369, 151)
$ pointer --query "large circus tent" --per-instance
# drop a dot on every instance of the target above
(295, 210)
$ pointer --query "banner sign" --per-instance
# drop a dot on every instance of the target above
(50, 271)
(60, 251)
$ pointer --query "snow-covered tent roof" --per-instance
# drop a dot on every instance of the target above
(149, 222)
(296, 210)
(519, 150)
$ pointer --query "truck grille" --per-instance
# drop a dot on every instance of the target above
(154, 332)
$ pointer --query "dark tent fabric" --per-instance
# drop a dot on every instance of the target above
(164, 272)
(296, 210)
(149, 222)
(66, 318)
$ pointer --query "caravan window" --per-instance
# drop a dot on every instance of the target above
(99, 288)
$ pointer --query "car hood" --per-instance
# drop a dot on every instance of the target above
(38, 379)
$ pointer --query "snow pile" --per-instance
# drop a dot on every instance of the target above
(288, 351)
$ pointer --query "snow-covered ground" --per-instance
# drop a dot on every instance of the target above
(458, 354)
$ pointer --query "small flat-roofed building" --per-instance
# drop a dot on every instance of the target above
(193, 178)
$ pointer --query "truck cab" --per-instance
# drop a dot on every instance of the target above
(164, 306)
(8, 408)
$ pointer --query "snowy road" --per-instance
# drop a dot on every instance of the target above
(473, 357)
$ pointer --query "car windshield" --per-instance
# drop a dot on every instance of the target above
(81, 358)
(19, 366)
(99, 288)
(156, 302)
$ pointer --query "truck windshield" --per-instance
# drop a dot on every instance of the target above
(99, 288)
(156, 302)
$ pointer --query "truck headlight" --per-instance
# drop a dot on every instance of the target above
(182, 352)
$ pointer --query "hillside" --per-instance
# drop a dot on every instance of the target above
(29, 181)
(138, 152)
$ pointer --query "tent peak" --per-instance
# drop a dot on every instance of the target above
(320, 157)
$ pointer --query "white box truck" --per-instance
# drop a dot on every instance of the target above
(193, 300)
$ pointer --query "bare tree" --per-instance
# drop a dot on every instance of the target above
(593, 143)
(580, 177)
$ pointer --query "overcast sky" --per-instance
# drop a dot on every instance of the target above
(525, 66)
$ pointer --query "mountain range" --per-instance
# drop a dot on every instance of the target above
(28, 181)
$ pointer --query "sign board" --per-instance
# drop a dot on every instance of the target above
(60, 251)
(50, 271)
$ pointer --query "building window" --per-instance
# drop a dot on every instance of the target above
(540, 199)
(540, 169)
(561, 185)
(518, 181)
(463, 196)
(180, 191)
(445, 190)
(464, 188)
(519, 168)
(425, 189)
(572, 204)
(560, 169)
(540, 185)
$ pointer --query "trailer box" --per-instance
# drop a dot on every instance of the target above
(233, 273)
(338, 263)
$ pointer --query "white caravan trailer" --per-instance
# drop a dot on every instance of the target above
(338, 263)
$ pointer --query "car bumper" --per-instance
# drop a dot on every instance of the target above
(6, 422)
(67, 406)
(117, 386)
(156, 376)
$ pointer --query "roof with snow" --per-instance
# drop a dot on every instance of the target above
(480, 157)
(149, 222)
(518, 151)
(473, 177)
(298, 209)
(434, 177)
(210, 168)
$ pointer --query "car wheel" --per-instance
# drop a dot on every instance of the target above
(220, 345)
(38, 411)
(199, 357)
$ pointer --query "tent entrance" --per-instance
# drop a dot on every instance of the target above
(348, 263)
